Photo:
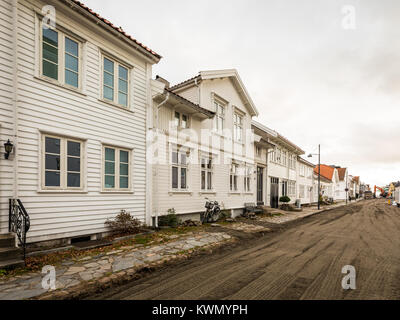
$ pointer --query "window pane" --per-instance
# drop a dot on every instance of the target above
(108, 65)
(74, 164)
(184, 121)
(203, 180)
(183, 158)
(175, 157)
(74, 180)
(109, 79)
(123, 182)
(109, 182)
(71, 78)
(209, 182)
(50, 36)
(71, 47)
(74, 149)
(123, 73)
(52, 179)
(183, 178)
(110, 168)
(52, 145)
(52, 162)
(123, 156)
(174, 177)
(177, 118)
(123, 86)
(50, 53)
(123, 169)
(50, 70)
(110, 154)
(108, 93)
(122, 99)
(71, 62)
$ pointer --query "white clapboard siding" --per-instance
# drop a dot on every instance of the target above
(46, 107)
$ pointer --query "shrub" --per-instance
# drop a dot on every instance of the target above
(124, 222)
(169, 220)
(284, 199)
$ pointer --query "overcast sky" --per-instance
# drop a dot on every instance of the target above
(312, 78)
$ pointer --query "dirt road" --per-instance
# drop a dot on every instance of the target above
(301, 261)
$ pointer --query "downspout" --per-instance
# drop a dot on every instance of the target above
(15, 94)
(156, 127)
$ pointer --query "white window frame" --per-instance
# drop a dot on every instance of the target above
(117, 169)
(233, 178)
(291, 188)
(180, 120)
(238, 127)
(284, 158)
(179, 167)
(247, 178)
(63, 163)
(207, 171)
(117, 63)
(220, 113)
(62, 34)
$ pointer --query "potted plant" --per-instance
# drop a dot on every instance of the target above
(285, 202)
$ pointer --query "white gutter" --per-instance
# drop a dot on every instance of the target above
(156, 127)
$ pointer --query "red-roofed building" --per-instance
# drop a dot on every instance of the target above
(329, 180)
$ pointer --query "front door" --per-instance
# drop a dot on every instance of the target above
(260, 180)
(274, 193)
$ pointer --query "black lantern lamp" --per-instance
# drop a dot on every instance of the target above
(8, 147)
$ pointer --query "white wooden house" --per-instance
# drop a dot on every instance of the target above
(73, 100)
(202, 144)
(305, 181)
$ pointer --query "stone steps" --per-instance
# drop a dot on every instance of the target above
(10, 255)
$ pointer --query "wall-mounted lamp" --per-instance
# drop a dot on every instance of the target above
(8, 147)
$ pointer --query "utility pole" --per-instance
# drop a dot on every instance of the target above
(319, 175)
(347, 187)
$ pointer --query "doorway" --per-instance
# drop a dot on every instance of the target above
(274, 193)
(260, 182)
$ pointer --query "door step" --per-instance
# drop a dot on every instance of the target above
(7, 240)
(12, 263)
(10, 253)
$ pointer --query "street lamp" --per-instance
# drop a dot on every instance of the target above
(319, 171)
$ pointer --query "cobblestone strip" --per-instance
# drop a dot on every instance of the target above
(107, 268)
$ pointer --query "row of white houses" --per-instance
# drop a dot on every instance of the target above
(94, 133)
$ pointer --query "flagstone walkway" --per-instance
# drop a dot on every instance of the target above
(89, 269)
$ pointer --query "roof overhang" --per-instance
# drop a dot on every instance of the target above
(233, 75)
(183, 105)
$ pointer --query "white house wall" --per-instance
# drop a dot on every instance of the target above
(45, 107)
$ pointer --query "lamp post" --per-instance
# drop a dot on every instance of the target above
(319, 171)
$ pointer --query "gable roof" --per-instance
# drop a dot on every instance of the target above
(341, 173)
(219, 74)
(107, 24)
(356, 179)
(326, 171)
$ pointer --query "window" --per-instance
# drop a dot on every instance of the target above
(62, 163)
(302, 170)
(179, 169)
(273, 155)
(301, 191)
(234, 178)
(284, 188)
(284, 158)
(116, 169)
(247, 179)
(181, 120)
(219, 116)
(258, 151)
(292, 188)
(237, 127)
(206, 173)
(278, 156)
(115, 82)
(60, 57)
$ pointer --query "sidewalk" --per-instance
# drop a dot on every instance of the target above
(75, 275)
(281, 216)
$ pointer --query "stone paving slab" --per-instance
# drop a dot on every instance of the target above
(73, 273)
(246, 227)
